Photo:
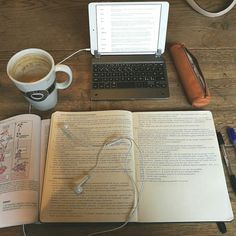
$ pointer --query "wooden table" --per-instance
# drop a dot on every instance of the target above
(61, 27)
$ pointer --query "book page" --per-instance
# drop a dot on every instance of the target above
(74, 144)
(19, 169)
(183, 174)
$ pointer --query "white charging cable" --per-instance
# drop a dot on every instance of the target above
(74, 53)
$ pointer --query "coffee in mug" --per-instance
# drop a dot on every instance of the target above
(34, 73)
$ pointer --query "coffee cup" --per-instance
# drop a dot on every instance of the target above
(33, 71)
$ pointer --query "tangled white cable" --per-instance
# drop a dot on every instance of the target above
(200, 10)
(78, 188)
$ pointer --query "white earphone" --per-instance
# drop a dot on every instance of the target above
(78, 184)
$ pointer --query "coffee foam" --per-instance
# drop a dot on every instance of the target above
(31, 68)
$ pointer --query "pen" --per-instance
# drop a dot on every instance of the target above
(226, 160)
(232, 135)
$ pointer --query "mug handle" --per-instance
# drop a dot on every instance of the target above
(67, 70)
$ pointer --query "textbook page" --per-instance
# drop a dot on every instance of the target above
(19, 169)
(183, 174)
(75, 140)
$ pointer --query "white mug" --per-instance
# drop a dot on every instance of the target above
(34, 73)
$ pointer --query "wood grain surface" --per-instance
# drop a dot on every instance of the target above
(61, 27)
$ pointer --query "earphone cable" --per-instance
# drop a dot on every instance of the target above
(139, 192)
(23, 230)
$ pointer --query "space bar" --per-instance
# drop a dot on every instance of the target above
(125, 84)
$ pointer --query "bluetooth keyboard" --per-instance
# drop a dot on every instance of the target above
(129, 75)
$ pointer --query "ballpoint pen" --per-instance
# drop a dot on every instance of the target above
(232, 135)
(226, 161)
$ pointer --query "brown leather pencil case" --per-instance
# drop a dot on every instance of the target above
(190, 76)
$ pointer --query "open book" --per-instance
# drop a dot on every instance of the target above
(23, 143)
(180, 169)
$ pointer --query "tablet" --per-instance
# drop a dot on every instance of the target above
(128, 27)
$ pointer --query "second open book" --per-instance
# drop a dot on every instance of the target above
(180, 168)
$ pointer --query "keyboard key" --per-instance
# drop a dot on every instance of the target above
(125, 85)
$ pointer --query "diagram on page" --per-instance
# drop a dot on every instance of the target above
(15, 148)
